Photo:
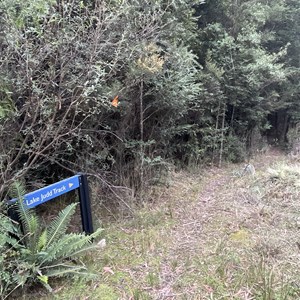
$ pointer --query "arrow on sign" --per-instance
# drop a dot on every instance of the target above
(70, 185)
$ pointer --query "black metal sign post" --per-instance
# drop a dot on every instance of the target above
(85, 204)
(57, 189)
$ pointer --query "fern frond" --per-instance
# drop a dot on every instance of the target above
(42, 240)
(63, 269)
(27, 216)
(86, 249)
(17, 189)
(29, 220)
(58, 226)
(57, 250)
(69, 244)
(7, 226)
(78, 243)
(8, 240)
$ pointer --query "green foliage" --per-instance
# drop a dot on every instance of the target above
(6, 103)
(189, 76)
(245, 46)
(37, 254)
(235, 149)
(9, 257)
(71, 60)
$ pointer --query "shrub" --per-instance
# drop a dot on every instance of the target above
(10, 263)
(235, 149)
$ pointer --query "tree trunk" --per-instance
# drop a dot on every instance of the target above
(216, 134)
(222, 136)
(141, 141)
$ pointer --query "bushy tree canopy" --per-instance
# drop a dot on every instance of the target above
(191, 81)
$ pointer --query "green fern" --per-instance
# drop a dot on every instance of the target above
(59, 225)
(42, 240)
(30, 222)
(9, 256)
(46, 253)
(69, 245)
(61, 270)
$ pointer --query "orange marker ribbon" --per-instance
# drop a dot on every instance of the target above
(115, 101)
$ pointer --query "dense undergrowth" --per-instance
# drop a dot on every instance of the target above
(31, 254)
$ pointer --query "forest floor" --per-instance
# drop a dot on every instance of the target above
(212, 234)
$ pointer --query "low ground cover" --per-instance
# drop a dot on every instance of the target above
(213, 234)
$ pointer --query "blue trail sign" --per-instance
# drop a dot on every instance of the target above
(51, 191)
(57, 189)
